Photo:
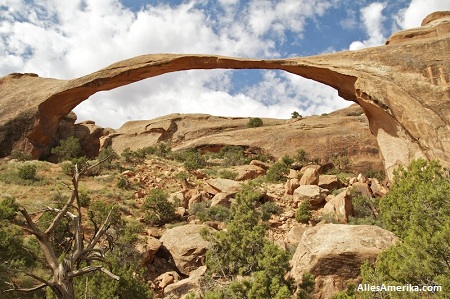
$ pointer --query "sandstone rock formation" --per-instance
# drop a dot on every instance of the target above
(403, 88)
(186, 246)
(340, 133)
(334, 253)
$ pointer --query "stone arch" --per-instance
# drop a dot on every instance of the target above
(403, 88)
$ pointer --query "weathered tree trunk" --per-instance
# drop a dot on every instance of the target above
(63, 283)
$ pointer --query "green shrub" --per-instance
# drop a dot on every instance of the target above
(417, 210)
(306, 288)
(107, 155)
(157, 208)
(301, 156)
(67, 168)
(27, 172)
(85, 200)
(365, 210)
(21, 155)
(232, 155)
(342, 163)
(123, 183)
(380, 175)
(204, 212)
(295, 114)
(68, 149)
(270, 208)
(254, 122)
(242, 249)
(193, 160)
(277, 173)
(287, 160)
(303, 213)
(228, 174)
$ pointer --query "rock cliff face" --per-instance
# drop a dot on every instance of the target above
(403, 88)
(342, 133)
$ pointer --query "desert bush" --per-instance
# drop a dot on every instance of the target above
(306, 288)
(157, 209)
(193, 160)
(232, 155)
(123, 183)
(287, 160)
(303, 213)
(85, 200)
(301, 156)
(108, 156)
(68, 149)
(365, 210)
(27, 172)
(268, 209)
(277, 173)
(380, 175)
(21, 155)
(228, 174)
(417, 210)
(341, 163)
(254, 122)
(204, 212)
(242, 249)
(295, 114)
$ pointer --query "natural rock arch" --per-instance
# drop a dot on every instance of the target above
(403, 88)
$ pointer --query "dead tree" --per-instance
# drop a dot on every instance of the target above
(82, 250)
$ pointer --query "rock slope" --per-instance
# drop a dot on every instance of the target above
(403, 88)
(342, 133)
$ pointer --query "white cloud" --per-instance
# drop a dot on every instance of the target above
(67, 39)
(417, 10)
(372, 17)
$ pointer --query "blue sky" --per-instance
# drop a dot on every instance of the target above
(68, 39)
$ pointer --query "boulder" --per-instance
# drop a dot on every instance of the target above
(377, 189)
(340, 206)
(316, 167)
(294, 236)
(261, 164)
(334, 253)
(222, 199)
(149, 249)
(166, 279)
(291, 185)
(186, 246)
(215, 186)
(362, 188)
(328, 181)
(196, 198)
(293, 174)
(310, 177)
(190, 285)
(247, 172)
(314, 194)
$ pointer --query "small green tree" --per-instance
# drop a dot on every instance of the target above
(417, 210)
(157, 208)
(277, 173)
(28, 171)
(303, 213)
(242, 249)
(193, 160)
(295, 114)
(68, 149)
(254, 122)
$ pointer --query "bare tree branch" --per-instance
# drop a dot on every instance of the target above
(32, 228)
(100, 232)
(90, 269)
(25, 290)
